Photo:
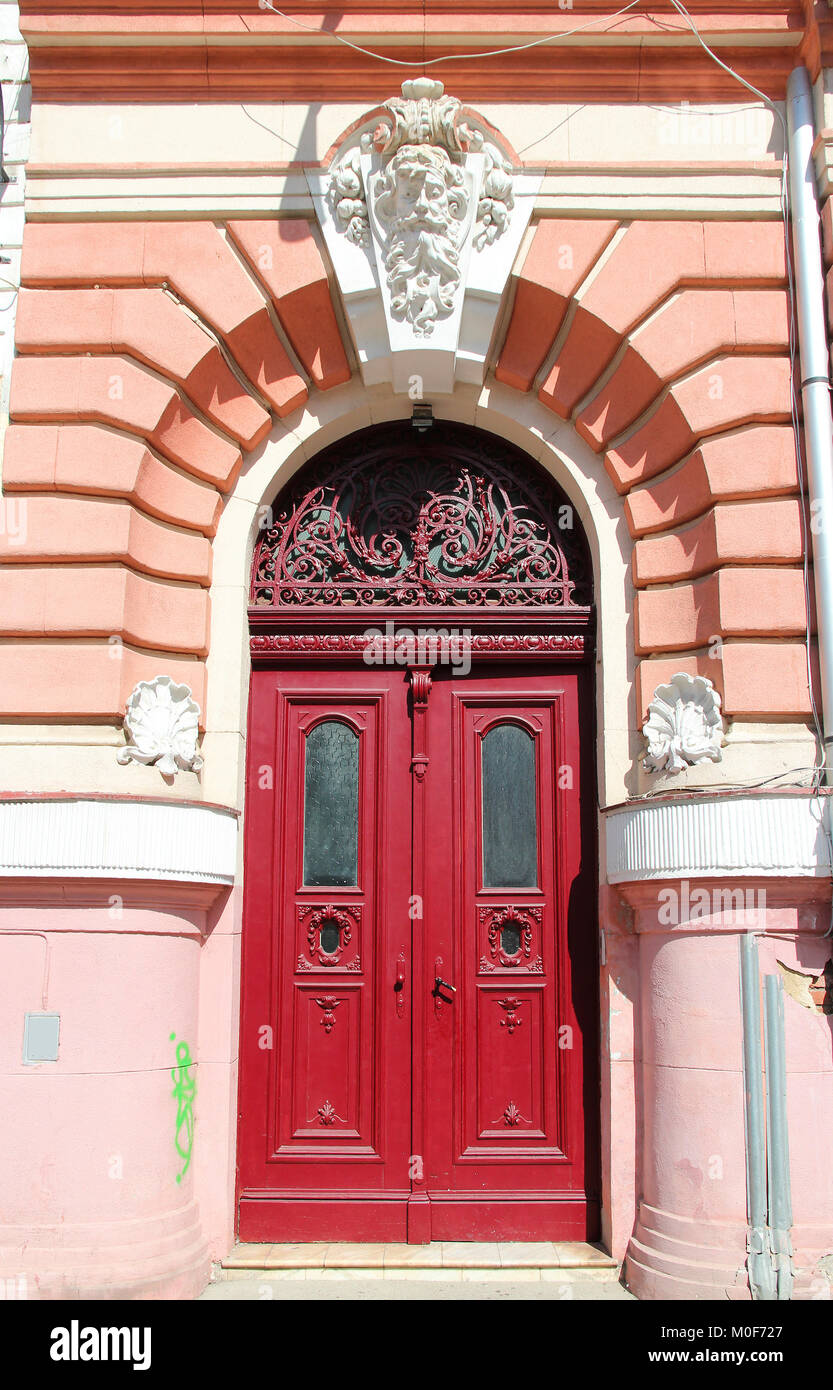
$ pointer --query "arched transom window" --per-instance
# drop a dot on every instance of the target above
(392, 518)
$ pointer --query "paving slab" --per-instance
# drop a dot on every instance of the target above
(403, 1288)
(450, 1255)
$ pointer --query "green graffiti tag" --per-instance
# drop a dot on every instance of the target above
(185, 1089)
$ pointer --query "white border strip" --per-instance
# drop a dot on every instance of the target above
(724, 835)
(117, 839)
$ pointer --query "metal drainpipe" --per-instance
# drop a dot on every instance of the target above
(759, 1263)
(815, 372)
(778, 1147)
(769, 1208)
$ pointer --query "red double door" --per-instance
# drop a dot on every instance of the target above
(419, 993)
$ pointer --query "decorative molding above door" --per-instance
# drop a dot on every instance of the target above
(423, 211)
(390, 542)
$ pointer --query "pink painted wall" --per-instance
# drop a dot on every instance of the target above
(690, 1237)
(91, 1202)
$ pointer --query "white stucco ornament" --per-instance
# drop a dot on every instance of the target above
(423, 214)
(162, 722)
(684, 725)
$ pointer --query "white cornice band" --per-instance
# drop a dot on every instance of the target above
(59, 193)
(117, 839)
(715, 836)
(718, 836)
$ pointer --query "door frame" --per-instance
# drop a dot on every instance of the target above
(514, 639)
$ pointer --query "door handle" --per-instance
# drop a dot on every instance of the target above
(440, 984)
(399, 984)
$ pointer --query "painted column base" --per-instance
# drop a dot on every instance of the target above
(696, 873)
(162, 1257)
(672, 1257)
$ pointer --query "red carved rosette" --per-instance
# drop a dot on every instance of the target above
(510, 938)
(319, 926)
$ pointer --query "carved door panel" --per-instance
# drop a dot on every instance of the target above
(509, 1137)
(325, 1036)
(376, 1103)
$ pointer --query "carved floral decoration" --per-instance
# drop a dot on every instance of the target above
(513, 1019)
(329, 933)
(327, 1114)
(684, 725)
(512, 1116)
(329, 1004)
(162, 725)
(520, 925)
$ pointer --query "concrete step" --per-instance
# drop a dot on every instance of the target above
(554, 1261)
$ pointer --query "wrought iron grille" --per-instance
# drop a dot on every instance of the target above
(452, 518)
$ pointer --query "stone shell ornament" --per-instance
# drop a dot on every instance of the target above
(684, 725)
(162, 723)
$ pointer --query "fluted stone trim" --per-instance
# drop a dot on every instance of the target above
(117, 839)
(725, 834)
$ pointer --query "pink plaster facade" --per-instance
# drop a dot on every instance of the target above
(175, 363)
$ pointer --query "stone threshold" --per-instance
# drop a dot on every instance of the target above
(556, 1261)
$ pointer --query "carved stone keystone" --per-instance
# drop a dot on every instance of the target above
(423, 213)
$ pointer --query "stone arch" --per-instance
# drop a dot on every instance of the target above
(667, 346)
(526, 424)
(154, 356)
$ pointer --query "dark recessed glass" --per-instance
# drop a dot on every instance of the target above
(331, 806)
(329, 937)
(510, 940)
(510, 835)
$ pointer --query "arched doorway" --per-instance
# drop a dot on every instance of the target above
(419, 1018)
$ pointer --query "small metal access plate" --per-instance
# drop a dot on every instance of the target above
(40, 1037)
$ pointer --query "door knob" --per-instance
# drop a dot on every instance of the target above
(439, 984)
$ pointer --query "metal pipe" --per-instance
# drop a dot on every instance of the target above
(778, 1150)
(759, 1263)
(815, 372)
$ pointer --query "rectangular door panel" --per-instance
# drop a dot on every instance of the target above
(510, 1146)
(505, 1063)
(325, 1047)
(325, 1099)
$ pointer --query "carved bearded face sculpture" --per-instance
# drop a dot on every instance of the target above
(421, 203)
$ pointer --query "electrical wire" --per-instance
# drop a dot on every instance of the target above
(449, 57)
(715, 788)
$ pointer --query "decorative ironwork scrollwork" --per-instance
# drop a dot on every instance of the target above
(451, 521)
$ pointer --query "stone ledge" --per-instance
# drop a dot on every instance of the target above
(726, 834)
(110, 838)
